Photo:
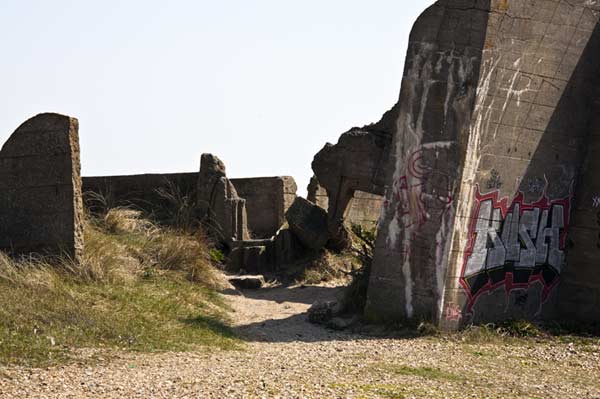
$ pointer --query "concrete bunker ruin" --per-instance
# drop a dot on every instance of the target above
(490, 209)
(484, 172)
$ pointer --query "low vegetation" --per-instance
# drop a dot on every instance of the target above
(326, 267)
(355, 296)
(139, 287)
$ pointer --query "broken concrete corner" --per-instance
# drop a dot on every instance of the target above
(357, 163)
(219, 206)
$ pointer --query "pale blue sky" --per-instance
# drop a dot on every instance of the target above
(263, 84)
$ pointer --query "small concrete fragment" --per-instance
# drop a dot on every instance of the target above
(247, 282)
(323, 312)
(309, 223)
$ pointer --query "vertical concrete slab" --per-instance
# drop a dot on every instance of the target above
(41, 207)
(218, 204)
(432, 133)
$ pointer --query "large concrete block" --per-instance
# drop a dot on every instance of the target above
(495, 112)
(41, 207)
(309, 223)
(267, 200)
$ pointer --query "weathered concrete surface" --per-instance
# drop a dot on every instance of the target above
(495, 112)
(41, 206)
(364, 208)
(579, 289)
(436, 101)
(218, 204)
(145, 192)
(267, 200)
(356, 162)
(308, 222)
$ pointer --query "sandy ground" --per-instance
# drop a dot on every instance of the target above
(286, 357)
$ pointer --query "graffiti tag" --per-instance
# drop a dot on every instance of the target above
(409, 191)
(514, 244)
(453, 312)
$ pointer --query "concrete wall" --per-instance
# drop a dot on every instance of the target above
(364, 208)
(267, 198)
(496, 114)
(140, 191)
(40, 207)
(579, 289)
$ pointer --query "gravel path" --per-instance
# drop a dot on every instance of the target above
(289, 358)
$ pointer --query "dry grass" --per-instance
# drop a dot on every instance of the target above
(139, 287)
(123, 245)
(328, 267)
(317, 268)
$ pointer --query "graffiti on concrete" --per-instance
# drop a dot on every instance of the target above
(413, 202)
(514, 244)
(495, 181)
(453, 312)
(536, 185)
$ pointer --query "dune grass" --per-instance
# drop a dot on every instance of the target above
(139, 287)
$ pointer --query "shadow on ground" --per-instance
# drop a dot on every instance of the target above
(280, 314)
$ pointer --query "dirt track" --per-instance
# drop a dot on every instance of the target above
(290, 358)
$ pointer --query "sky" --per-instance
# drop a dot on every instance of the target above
(262, 84)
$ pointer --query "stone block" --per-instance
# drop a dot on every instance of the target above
(309, 223)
